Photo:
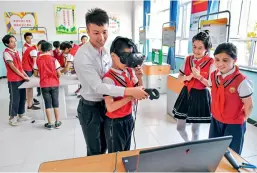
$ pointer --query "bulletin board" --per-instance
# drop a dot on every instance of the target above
(82, 31)
(219, 28)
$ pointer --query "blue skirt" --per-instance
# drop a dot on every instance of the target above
(194, 107)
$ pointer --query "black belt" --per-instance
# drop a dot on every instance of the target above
(92, 103)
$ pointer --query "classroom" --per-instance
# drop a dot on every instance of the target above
(128, 86)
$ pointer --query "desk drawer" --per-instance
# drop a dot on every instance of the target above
(156, 69)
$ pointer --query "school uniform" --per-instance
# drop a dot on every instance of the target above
(56, 53)
(119, 124)
(17, 96)
(47, 67)
(81, 44)
(27, 60)
(193, 102)
(25, 47)
(227, 107)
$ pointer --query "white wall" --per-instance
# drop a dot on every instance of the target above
(45, 13)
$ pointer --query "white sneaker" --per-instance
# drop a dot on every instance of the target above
(23, 118)
(13, 122)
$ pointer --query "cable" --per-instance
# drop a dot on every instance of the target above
(134, 126)
(116, 160)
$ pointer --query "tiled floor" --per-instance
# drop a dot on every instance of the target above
(25, 147)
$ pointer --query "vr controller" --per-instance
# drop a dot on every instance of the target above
(153, 93)
(130, 59)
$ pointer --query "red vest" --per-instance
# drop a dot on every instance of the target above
(27, 60)
(126, 109)
(56, 53)
(61, 60)
(26, 45)
(11, 75)
(204, 65)
(74, 50)
(47, 71)
(227, 107)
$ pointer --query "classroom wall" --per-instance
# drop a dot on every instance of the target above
(45, 14)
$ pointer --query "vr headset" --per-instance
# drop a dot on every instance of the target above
(130, 59)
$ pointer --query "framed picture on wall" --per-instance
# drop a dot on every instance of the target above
(65, 19)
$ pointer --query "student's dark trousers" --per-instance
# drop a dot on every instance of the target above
(17, 98)
(91, 116)
(118, 133)
(219, 129)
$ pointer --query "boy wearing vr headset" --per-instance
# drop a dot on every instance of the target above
(119, 123)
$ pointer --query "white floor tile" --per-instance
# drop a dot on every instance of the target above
(25, 147)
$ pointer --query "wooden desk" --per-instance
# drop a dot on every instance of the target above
(106, 163)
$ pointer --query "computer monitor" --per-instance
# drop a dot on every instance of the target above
(196, 156)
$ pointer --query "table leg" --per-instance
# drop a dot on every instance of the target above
(62, 103)
(66, 90)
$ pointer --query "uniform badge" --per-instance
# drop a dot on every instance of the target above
(232, 89)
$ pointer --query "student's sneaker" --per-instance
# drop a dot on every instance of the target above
(13, 122)
(36, 102)
(33, 107)
(23, 118)
(49, 126)
(57, 124)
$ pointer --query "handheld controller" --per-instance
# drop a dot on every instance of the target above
(153, 93)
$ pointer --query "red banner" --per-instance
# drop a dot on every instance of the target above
(199, 6)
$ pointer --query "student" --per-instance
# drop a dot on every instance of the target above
(119, 122)
(28, 39)
(28, 43)
(83, 40)
(28, 61)
(231, 94)
(48, 70)
(56, 51)
(68, 53)
(15, 76)
(91, 62)
(193, 102)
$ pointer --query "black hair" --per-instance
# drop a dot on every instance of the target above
(228, 48)
(6, 39)
(65, 45)
(205, 38)
(83, 36)
(71, 42)
(119, 45)
(40, 42)
(27, 34)
(46, 46)
(56, 44)
(97, 16)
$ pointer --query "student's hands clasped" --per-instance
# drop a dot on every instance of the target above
(196, 73)
(25, 77)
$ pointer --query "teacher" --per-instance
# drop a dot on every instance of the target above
(91, 62)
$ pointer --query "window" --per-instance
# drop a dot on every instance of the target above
(160, 14)
(183, 27)
(243, 29)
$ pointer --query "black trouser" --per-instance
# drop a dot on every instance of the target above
(38, 91)
(51, 97)
(17, 99)
(118, 133)
(91, 116)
